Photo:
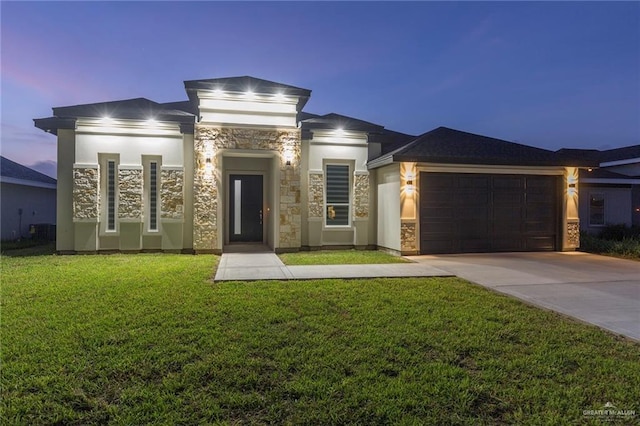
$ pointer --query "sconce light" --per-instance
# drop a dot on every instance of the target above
(208, 165)
(288, 157)
(409, 187)
(572, 186)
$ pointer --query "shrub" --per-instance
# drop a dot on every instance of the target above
(625, 247)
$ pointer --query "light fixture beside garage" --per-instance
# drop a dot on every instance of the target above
(409, 187)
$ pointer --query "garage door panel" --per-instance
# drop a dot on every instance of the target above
(484, 212)
(442, 228)
(541, 227)
(479, 245)
(507, 244)
(473, 182)
(439, 213)
(540, 244)
(515, 183)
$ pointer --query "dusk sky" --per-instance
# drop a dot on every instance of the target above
(546, 74)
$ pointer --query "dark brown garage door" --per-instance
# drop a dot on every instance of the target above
(474, 213)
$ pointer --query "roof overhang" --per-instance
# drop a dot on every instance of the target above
(26, 182)
(53, 124)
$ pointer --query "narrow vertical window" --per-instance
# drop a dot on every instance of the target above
(596, 210)
(153, 196)
(111, 195)
(338, 199)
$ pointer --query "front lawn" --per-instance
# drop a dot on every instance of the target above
(340, 257)
(149, 339)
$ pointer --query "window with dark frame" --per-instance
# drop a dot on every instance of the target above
(153, 196)
(338, 195)
(111, 195)
(596, 209)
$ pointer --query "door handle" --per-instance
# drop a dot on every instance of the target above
(260, 216)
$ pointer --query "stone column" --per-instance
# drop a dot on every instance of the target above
(130, 193)
(86, 193)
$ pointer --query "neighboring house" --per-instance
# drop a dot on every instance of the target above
(240, 161)
(27, 197)
(610, 194)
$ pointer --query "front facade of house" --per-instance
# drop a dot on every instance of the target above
(241, 162)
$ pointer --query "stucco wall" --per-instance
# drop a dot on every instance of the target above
(130, 143)
(617, 206)
(388, 208)
(333, 147)
(130, 139)
(38, 205)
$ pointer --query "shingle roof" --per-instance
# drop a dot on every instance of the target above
(450, 146)
(138, 108)
(594, 155)
(617, 154)
(133, 109)
(11, 169)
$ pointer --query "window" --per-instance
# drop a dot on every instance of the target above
(596, 209)
(338, 195)
(153, 196)
(111, 195)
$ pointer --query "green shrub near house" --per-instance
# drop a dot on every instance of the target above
(150, 339)
(615, 240)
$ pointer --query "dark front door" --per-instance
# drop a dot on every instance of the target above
(245, 208)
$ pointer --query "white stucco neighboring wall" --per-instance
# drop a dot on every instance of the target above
(233, 109)
(388, 207)
(336, 147)
(131, 139)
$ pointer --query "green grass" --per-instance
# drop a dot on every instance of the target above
(339, 257)
(149, 339)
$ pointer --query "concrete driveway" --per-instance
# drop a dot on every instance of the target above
(600, 290)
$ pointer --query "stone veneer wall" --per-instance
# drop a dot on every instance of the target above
(408, 237)
(86, 193)
(573, 234)
(316, 194)
(171, 194)
(208, 140)
(361, 196)
(130, 193)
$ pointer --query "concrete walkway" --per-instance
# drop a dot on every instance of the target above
(263, 265)
(600, 290)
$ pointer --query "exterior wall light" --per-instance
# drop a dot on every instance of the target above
(409, 187)
(288, 157)
(572, 188)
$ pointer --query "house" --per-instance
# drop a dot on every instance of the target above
(611, 192)
(28, 197)
(241, 162)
